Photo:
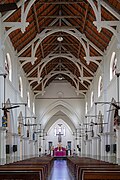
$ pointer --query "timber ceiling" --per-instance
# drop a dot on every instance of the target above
(60, 14)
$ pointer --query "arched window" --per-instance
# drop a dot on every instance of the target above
(33, 108)
(8, 66)
(100, 86)
(28, 99)
(113, 65)
(21, 86)
(86, 108)
(92, 98)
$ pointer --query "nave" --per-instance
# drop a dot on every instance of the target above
(60, 171)
(69, 168)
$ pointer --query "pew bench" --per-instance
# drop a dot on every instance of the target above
(20, 175)
(100, 174)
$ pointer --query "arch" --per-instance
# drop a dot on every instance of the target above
(21, 86)
(100, 86)
(113, 65)
(8, 66)
(33, 107)
(62, 106)
(55, 117)
(47, 32)
(59, 73)
(57, 56)
(28, 99)
(86, 107)
(111, 116)
(92, 98)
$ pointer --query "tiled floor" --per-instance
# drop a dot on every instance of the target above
(60, 171)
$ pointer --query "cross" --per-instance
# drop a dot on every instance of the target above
(59, 137)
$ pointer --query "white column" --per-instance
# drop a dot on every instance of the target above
(98, 148)
(94, 147)
(110, 141)
(32, 148)
(26, 147)
(89, 148)
(118, 145)
(83, 147)
(2, 70)
(21, 148)
(16, 142)
(103, 152)
(3, 145)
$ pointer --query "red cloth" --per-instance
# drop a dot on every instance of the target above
(58, 153)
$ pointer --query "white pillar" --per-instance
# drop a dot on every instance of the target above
(94, 147)
(89, 148)
(32, 148)
(110, 141)
(83, 147)
(3, 145)
(118, 145)
(98, 148)
(15, 150)
(26, 147)
(2, 70)
(103, 152)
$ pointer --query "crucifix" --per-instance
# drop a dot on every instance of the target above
(59, 137)
(59, 134)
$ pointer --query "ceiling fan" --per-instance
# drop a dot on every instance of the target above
(28, 124)
(8, 7)
(115, 105)
(5, 108)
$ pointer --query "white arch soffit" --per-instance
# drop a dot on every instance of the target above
(55, 118)
(19, 25)
(55, 73)
(70, 76)
(47, 32)
(71, 115)
(59, 103)
(57, 56)
(50, 75)
(68, 56)
(111, 116)
(74, 32)
(105, 24)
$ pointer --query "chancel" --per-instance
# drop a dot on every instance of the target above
(60, 151)
(59, 96)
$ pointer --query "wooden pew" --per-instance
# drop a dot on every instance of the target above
(100, 174)
(76, 164)
(23, 171)
(40, 166)
(20, 175)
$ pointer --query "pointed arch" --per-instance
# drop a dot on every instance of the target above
(64, 108)
(8, 66)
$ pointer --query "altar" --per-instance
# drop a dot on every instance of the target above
(59, 152)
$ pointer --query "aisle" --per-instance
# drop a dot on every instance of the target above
(60, 171)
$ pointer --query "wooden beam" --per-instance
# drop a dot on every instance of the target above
(83, 28)
(38, 28)
(59, 17)
(62, 2)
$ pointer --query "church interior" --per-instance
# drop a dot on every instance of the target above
(60, 89)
